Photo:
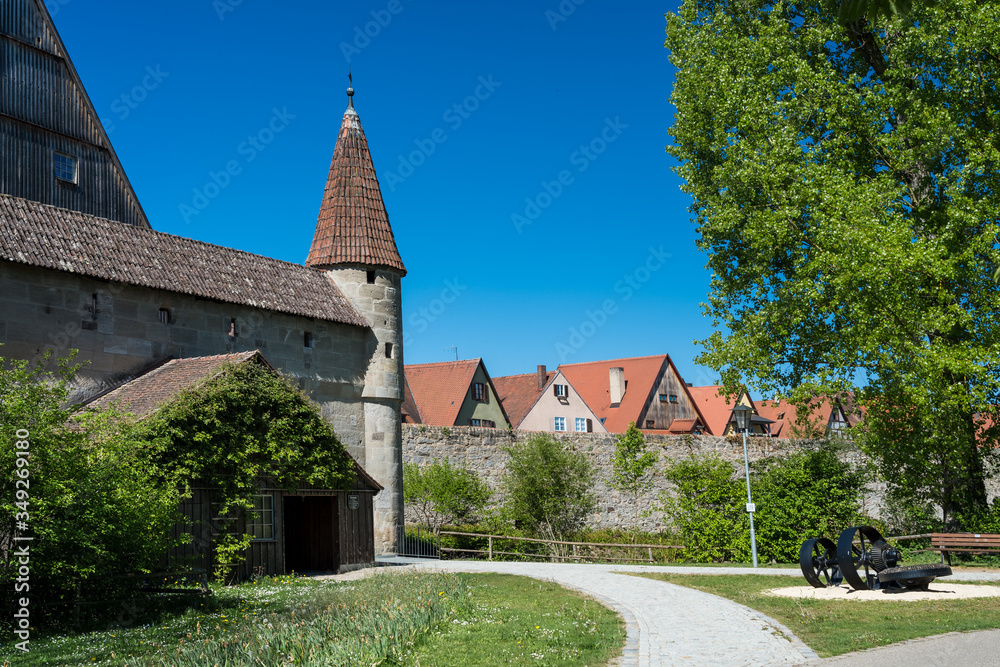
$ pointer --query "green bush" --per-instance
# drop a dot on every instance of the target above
(441, 493)
(705, 511)
(798, 497)
(89, 495)
(548, 488)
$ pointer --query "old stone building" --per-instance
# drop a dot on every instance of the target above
(81, 269)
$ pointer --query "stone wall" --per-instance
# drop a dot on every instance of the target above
(43, 309)
(483, 451)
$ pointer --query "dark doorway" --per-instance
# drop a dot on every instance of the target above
(311, 543)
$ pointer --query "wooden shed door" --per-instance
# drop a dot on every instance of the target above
(311, 534)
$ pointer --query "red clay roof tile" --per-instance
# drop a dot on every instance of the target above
(353, 225)
(591, 381)
(439, 389)
(519, 393)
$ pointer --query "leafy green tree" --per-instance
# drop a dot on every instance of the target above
(548, 487)
(846, 183)
(441, 493)
(630, 465)
(87, 493)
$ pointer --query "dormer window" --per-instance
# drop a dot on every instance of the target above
(65, 168)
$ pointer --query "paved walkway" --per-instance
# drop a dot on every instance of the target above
(672, 625)
(665, 624)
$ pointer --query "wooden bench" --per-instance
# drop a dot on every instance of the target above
(976, 543)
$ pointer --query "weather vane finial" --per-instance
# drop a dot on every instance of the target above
(350, 90)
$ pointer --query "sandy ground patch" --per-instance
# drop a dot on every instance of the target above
(938, 590)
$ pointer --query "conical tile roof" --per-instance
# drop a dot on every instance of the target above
(353, 226)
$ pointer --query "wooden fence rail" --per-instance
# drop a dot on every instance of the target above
(489, 551)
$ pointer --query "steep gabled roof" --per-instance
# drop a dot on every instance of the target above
(591, 381)
(43, 105)
(519, 393)
(439, 389)
(353, 225)
(63, 240)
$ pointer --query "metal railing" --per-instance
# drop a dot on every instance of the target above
(418, 542)
(573, 551)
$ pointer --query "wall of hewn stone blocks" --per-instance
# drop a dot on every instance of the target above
(41, 308)
(483, 450)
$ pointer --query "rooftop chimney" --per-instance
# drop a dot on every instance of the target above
(542, 375)
(617, 377)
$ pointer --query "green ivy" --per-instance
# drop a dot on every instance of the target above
(245, 424)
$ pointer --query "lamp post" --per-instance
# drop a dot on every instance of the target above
(742, 415)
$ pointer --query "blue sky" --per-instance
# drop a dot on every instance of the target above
(520, 148)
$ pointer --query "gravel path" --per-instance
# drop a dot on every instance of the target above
(665, 624)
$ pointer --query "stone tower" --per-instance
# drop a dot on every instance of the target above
(354, 244)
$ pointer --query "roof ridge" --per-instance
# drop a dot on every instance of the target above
(149, 230)
(604, 361)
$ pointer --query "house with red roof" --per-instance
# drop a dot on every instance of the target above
(646, 390)
(717, 409)
(819, 417)
(546, 401)
(452, 393)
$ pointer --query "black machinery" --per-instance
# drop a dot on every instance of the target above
(862, 547)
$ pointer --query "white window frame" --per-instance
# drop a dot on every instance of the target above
(260, 520)
(560, 424)
(580, 423)
(561, 391)
(74, 164)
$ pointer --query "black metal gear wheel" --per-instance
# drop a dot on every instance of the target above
(913, 576)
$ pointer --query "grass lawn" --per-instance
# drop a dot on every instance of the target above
(833, 627)
(388, 619)
(514, 620)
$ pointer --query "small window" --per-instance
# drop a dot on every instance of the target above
(663, 398)
(164, 316)
(65, 168)
(673, 398)
(478, 391)
(388, 350)
(232, 328)
(371, 277)
(475, 422)
(581, 424)
(307, 339)
(560, 390)
(260, 521)
(590, 426)
(93, 306)
(560, 424)
(602, 420)
(650, 423)
(781, 415)
(489, 423)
